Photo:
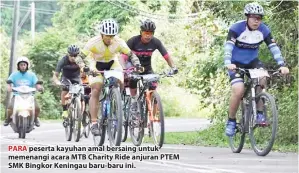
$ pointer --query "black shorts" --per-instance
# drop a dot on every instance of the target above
(133, 83)
(256, 63)
(66, 81)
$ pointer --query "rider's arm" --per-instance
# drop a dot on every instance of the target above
(229, 46)
(164, 53)
(126, 51)
(87, 54)
(38, 84)
(58, 70)
(274, 49)
(10, 82)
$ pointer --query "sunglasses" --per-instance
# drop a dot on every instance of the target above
(256, 17)
(73, 55)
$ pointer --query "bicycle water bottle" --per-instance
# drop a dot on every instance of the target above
(107, 108)
(104, 110)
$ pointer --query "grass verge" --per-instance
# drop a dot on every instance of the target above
(213, 137)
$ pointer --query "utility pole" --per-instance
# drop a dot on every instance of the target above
(12, 66)
(14, 35)
(32, 20)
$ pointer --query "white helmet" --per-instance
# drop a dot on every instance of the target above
(254, 8)
(108, 27)
(23, 59)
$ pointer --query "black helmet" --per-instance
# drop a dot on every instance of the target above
(73, 49)
(148, 25)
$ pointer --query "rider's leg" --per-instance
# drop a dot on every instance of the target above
(63, 103)
(133, 91)
(261, 118)
(96, 86)
(237, 85)
(9, 111)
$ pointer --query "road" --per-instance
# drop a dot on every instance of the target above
(189, 158)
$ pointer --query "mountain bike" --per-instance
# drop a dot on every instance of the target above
(72, 123)
(246, 118)
(150, 108)
(111, 113)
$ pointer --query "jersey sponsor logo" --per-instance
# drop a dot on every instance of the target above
(23, 82)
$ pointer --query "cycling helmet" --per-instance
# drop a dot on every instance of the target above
(253, 8)
(73, 50)
(108, 27)
(148, 25)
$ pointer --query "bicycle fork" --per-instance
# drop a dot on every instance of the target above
(254, 114)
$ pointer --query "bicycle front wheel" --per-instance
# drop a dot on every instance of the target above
(157, 127)
(115, 118)
(77, 119)
(262, 136)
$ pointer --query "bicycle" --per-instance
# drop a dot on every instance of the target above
(110, 116)
(246, 123)
(149, 103)
(74, 119)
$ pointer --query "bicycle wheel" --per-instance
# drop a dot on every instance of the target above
(77, 119)
(115, 117)
(236, 142)
(126, 109)
(86, 123)
(69, 124)
(257, 138)
(102, 124)
(136, 125)
(158, 120)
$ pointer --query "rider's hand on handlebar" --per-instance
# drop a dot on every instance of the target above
(173, 70)
(231, 66)
(58, 83)
(284, 70)
(139, 68)
(9, 88)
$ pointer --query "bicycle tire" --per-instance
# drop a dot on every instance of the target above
(267, 149)
(240, 127)
(115, 136)
(77, 119)
(69, 128)
(161, 115)
(126, 110)
(102, 124)
(86, 130)
(137, 140)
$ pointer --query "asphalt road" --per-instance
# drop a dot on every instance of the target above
(183, 158)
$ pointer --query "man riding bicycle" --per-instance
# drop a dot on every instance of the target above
(241, 50)
(143, 46)
(22, 78)
(102, 51)
(70, 66)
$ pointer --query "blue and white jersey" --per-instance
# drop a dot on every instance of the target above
(243, 44)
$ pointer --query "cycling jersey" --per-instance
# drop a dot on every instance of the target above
(70, 70)
(100, 52)
(242, 43)
(144, 51)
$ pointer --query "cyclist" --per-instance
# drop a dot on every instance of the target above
(22, 77)
(70, 66)
(143, 46)
(102, 51)
(241, 50)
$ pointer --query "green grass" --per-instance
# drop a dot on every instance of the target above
(214, 136)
